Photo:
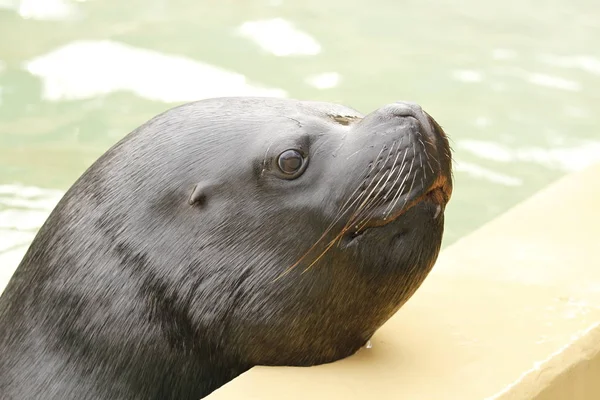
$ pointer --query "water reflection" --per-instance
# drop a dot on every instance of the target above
(326, 80)
(583, 62)
(563, 158)
(468, 76)
(504, 54)
(85, 69)
(280, 37)
(42, 10)
(481, 173)
(553, 82)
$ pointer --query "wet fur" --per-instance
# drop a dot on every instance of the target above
(130, 292)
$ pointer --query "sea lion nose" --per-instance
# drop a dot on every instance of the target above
(405, 109)
(396, 114)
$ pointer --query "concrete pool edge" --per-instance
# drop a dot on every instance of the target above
(511, 311)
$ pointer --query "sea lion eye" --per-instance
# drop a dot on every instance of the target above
(290, 161)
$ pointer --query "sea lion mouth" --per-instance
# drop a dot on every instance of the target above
(437, 195)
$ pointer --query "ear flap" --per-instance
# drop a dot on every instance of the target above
(200, 194)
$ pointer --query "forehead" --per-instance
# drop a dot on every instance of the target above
(268, 106)
(330, 110)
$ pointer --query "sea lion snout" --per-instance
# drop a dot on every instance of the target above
(401, 156)
(407, 109)
(399, 118)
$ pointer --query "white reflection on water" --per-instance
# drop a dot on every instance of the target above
(85, 69)
(42, 10)
(584, 62)
(477, 171)
(482, 122)
(326, 80)
(23, 210)
(503, 54)
(568, 159)
(555, 82)
(467, 75)
(279, 37)
(535, 78)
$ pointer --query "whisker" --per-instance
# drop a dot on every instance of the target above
(428, 158)
(395, 166)
(372, 167)
(403, 163)
(329, 246)
(264, 163)
(409, 190)
(424, 147)
(382, 199)
(353, 154)
(383, 166)
(430, 167)
(399, 193)
(341, 211)
(370, 199)
(400, 187)
(429, 142)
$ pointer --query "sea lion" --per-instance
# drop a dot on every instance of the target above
(223, 234)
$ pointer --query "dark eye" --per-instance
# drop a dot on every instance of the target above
(290, 161)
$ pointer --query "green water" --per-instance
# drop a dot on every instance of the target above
(515, 84)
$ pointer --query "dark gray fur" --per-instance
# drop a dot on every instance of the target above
(155, 277)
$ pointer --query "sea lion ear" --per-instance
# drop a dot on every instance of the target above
(200, 193)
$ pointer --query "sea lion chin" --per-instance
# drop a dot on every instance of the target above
(224, 234)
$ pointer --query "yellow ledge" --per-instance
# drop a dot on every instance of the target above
(511, 311)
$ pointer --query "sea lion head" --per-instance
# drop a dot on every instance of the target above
(297, 228)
